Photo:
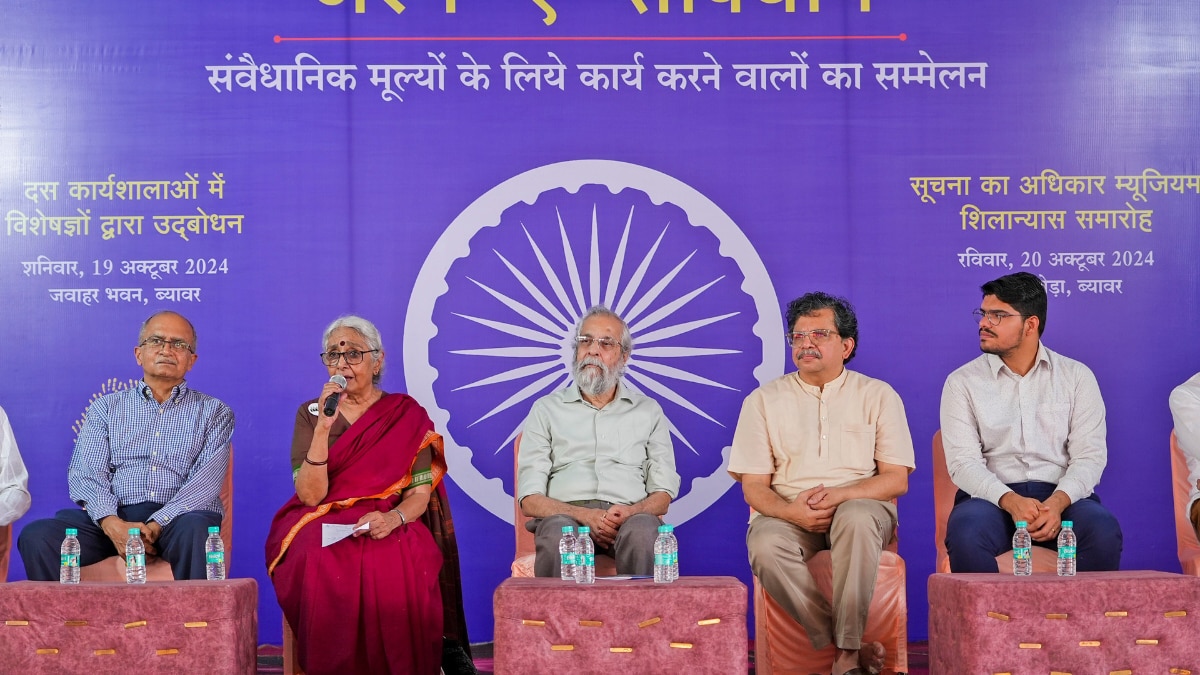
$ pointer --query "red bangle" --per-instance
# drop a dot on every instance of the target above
(309, 461)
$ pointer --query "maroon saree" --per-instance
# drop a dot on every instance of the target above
(365, 605)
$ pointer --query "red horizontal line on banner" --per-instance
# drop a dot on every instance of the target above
(595, 38)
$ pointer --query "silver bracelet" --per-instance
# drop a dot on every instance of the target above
(403, 520)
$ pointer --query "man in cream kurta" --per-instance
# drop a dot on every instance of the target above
(820, 454)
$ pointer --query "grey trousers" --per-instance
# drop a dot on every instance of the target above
(633, 548)
(779, 554)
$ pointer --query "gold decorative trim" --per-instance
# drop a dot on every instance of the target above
(1125, 671)
(16, 622)
(1030, 645)
(708, 622)
(165, 652)
(196, 624)
(562, 648)
(1145, 641)
(1175, 614)
(997, 615)
(1059, 672)
(75, 623)
(135, 624)
(649, 622)
(590, 623)
(104, 652)
(1115, 615)
(620, 650)
(532, 622)
(47, 650)
(1089, 643)
(1179, 671)
(1004, 673)
(1056, 616)
(681, 645)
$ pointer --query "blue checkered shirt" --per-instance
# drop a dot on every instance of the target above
(133, 449)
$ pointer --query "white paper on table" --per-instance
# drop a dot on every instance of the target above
(331, 533)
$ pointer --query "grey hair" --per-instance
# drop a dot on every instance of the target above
(601, 310)
(363, 327)
(146, 323)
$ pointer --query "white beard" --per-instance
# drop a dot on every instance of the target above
(596, 382)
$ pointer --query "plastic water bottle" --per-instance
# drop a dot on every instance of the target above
(1066, 550)
(585, 557)
(662, 556)
(1022, 553)
(566, 553)
(214, 555)
(68, 571)
(135, 557)
(674, 551)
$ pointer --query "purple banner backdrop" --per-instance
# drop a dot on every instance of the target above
(472, 175)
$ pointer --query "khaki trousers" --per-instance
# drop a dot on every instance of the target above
(779, 554)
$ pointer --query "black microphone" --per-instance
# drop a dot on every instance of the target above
(332, 401)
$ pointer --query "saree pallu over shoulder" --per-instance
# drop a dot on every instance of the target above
(372, 460)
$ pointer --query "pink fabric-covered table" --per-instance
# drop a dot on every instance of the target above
(159, 627)
(694, 625)
(1096, 622)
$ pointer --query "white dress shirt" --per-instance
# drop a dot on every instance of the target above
(1185, 410)
(14, 479)
(1048, 426)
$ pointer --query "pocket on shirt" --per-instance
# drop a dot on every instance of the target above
(858, 446)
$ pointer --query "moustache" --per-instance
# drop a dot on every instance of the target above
(984, 331)
(811, 352)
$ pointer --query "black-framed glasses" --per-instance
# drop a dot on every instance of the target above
(817, 336)
(156, 342)
(606, 343)
(353, 357)
(993, 316)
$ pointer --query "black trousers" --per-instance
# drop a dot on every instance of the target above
(181, 543)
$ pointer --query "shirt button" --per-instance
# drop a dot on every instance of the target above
(157, 433)
(823, 437)
(154, 468)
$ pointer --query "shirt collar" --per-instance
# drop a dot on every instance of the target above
(831, 387)
(572, 394)
(177, 392)
(996, 364)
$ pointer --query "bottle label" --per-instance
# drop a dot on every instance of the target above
(1021, 554)
(589, 559)
(70, 559)
(136, 560)
(1066, 552)
(215, 557)
(568, 558)
(662, 558)
(674, 557)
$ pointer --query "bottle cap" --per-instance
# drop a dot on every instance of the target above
(584, 529)
(214, 530)
(71, 532)
(663, 529)
(1021, 523)
(135, 531)
(1067, 523)
(568, 529)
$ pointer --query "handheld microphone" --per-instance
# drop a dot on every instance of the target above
(331, 402)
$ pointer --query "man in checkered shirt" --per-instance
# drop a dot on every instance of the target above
(153, 456)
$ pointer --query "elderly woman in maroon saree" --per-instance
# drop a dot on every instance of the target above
(382, 600)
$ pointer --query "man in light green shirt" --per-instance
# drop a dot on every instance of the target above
(597, 454)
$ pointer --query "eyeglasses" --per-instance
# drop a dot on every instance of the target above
(156, 342)
(607, 344)
(817, 336)
(994, 316)
(353, 357)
